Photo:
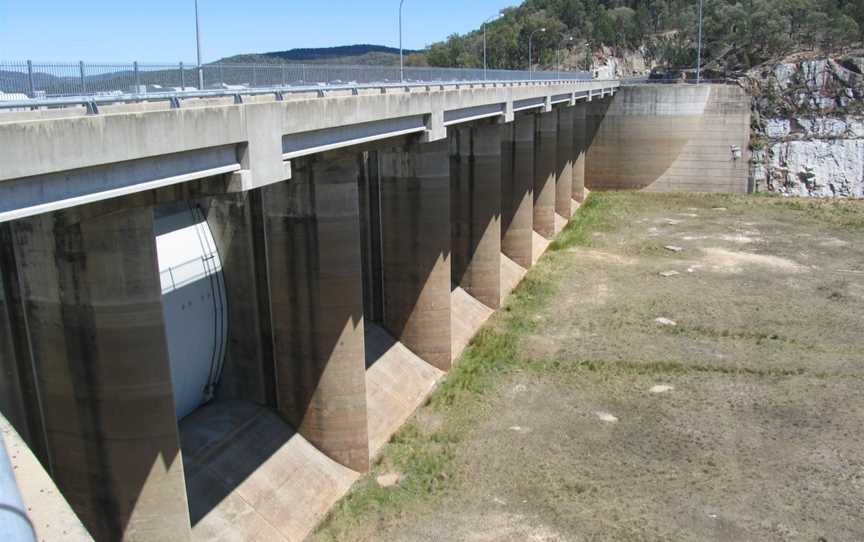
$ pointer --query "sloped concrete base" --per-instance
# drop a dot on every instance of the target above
(574, 206)
(539, 244)
(467, 315)
(250, 476)
(397, 382)
(511, 275)
(560, 223)
(50, 514)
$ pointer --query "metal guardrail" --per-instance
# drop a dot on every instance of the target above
(31, 80)
(92, 102)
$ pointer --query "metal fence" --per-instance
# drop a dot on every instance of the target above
(27, 79)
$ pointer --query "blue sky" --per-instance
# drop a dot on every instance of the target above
(164, 30)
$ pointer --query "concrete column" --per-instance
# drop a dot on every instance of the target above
(415, 248)
(545, 151)
(475, 192)
(564, 159)
(313, 245)
(94, 314)
(517, 189)
(579, 149)
(238, 230)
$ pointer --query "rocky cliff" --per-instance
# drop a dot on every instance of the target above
(808, 127)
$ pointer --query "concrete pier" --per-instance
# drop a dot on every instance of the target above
(564, 168)
(313, 244)
(475, 192)
(517, 189)
(415, 248)
(580, 147)
(545, 153)
(93, 298)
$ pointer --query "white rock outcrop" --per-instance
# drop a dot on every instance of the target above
(810, 128)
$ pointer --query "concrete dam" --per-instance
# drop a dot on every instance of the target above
(215, 311)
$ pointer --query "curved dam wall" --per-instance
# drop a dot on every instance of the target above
(670, 138)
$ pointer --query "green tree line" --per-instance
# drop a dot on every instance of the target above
(737, 34)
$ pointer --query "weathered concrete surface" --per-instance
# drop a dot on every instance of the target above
(468, 316)
(51, 516)
(100, 357)
(539, 244)
(511, 275)
(313, 236)
(238, 231)
(673, 138)
(415, 236)
(397, 382)
(545, 162)
(517, 189)
(252, 477)
(564, 158)
(580, 147)
(475, 210)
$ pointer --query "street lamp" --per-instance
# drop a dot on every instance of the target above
(699, 55)
(487, 21)
(198, 43)
(530, 51)
(558, 54)
(401, 60)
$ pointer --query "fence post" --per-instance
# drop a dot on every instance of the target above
(30, 79)
(83, 82)
(137, 77)
(182, 78)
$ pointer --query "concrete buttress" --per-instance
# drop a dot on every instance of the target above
(93, 296)
(475, 191)
(313, 238)
(415, 248)
(580, 147)
(564, 166)
(517, 189)
(545, 151)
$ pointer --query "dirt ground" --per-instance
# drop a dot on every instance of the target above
(712, 390)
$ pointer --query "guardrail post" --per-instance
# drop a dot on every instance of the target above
(83, 82)
(137, 77)
(182, 78)
(32, 87)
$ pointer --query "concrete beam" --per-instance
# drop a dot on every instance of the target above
(517, 189)
(95, 320)
(475, 192)
(415, 247)
(313, 245)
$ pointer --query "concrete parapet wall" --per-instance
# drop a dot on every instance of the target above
(671, 138)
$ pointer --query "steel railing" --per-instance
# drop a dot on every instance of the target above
(35, 80)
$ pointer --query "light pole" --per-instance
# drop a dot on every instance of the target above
(699, 54)
(558, 54)
(401, 60)
(487, 21)
(198, 43)
(530, 52)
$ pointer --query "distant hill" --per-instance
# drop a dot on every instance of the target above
(363, 54)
